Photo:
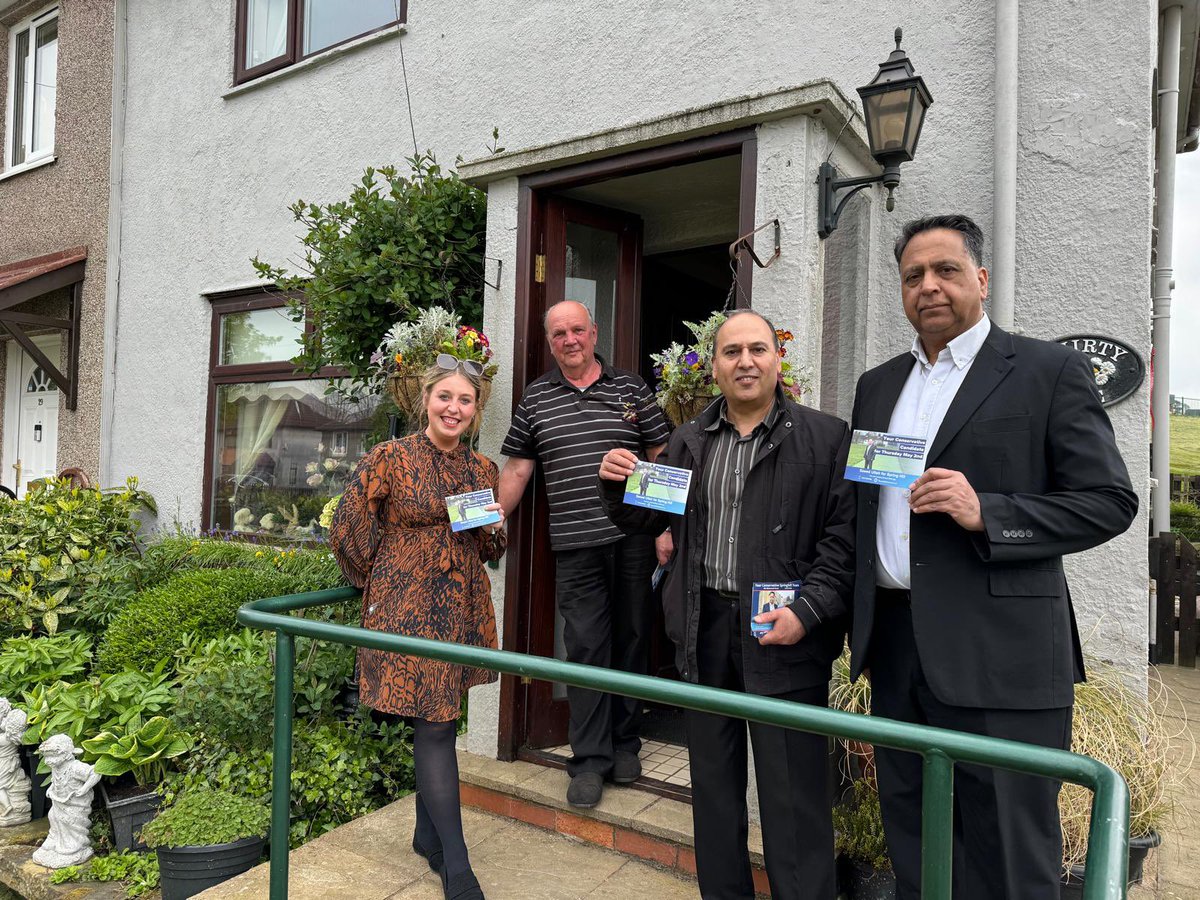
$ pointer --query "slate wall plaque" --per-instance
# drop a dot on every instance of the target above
(1117, 367)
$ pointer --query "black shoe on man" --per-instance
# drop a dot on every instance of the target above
(627, 768)
(585, 790)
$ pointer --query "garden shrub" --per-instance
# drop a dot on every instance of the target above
(203, 604)
(1185, 520)
(205, 817)
(340, 771)
(138, 870)
(858, 828)
(227, 686)
(58, 542)
(26, 662)
(314, 568)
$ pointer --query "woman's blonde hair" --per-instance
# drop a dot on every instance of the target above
(435, 374)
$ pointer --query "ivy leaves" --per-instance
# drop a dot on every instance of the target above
(398, 244)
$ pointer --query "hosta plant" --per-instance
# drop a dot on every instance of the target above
(143, 751)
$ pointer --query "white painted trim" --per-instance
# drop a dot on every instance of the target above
(51, 345)
(28, 166)
(316, 60)
(29, 22)
(822, 100)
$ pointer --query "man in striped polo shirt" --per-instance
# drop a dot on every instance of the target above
(567, 420)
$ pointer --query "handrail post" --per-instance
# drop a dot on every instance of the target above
(1107, 864)
(937, 825)
(281, 764)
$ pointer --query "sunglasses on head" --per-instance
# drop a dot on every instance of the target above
(450, 363)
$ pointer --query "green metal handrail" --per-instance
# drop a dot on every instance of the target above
(1107, 859)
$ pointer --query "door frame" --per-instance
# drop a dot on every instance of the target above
(51, 345)
(527, 337)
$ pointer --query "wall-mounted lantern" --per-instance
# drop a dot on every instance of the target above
(894, 105)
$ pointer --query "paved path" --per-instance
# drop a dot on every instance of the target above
(1178, 859)
(372, 859)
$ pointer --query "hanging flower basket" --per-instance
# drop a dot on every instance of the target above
(405, 387)
(680, 411)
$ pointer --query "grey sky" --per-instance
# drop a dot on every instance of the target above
(1185, 304)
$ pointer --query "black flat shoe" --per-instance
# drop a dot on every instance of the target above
(433, 857)
(461, 886)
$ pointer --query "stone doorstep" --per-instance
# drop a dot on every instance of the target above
(31, 881)
(637, 823)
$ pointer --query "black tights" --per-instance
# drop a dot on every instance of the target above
(439, 814)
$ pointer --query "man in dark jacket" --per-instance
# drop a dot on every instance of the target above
(755, 452)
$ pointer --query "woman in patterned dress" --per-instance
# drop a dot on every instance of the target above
(393, 539)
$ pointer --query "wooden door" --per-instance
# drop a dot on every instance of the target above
(592, 255)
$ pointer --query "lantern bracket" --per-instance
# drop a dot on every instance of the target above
(830, 206)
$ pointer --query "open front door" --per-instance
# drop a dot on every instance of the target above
(592, 255)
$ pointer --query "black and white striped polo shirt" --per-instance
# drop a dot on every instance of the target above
(569, 430)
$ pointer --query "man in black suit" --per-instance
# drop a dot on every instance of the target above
(962, 616)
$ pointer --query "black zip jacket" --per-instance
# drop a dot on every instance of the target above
(797, 522)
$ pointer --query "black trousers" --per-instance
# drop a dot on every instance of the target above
(603, 594)
(1007, 838)
(791, 769)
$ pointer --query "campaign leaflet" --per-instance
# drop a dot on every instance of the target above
(890, 460)
(664, 488)
(467, 510)
(768, 596)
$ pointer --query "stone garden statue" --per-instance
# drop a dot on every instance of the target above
(71, 784)
(14, 783)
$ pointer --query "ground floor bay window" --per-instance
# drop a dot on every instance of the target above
(281, 443)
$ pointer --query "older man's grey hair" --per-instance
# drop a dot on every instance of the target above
(972, 234)
(587, 312)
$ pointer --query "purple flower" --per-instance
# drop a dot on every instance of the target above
(692, 359)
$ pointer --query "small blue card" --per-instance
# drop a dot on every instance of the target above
(890, 460)
(664, 488)
(768, 596)
(467, 510)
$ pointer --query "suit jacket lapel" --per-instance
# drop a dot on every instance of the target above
(878, 416)
(991, 366)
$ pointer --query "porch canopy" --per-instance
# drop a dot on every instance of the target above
(30, 279)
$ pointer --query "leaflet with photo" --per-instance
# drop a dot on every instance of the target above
(769, 596)
(890, 460)
(664, 488)
(467, 510)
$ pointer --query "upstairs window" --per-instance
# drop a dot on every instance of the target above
(33, 83)
(273, 34)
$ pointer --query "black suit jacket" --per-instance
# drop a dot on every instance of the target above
(991, 610)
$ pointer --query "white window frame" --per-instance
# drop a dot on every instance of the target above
(32, 160)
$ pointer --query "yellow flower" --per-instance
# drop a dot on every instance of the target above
(259, 553)
(399, 359)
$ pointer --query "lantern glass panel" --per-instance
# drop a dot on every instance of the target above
(887, 114)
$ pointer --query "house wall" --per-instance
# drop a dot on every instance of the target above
(65, 204)
(208, 174)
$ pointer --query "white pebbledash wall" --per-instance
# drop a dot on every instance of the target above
(209, 171)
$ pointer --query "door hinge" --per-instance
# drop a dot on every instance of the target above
(539, 268)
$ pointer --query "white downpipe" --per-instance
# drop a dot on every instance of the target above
(112, 279)
(1004, 183)
(1164, 272)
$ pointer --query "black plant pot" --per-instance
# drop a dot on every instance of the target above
(129, 816)
(859, 881)
(186, 871)
(39, 803)
(1139, 849)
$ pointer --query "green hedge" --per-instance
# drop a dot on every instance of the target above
(201, 603)
(1185, 519)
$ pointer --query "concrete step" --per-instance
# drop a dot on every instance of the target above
(636, 822)
(371, 858)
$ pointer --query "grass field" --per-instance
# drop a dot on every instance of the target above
(1185, 445)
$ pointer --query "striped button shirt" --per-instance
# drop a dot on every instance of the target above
(568, 430)
(726, 465)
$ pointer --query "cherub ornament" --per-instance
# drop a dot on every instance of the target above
(71, 784)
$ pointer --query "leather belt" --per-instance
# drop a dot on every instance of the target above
(892, 597)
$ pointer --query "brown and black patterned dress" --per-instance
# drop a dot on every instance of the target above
(392, 536)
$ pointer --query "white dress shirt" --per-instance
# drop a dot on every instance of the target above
(927, 394)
